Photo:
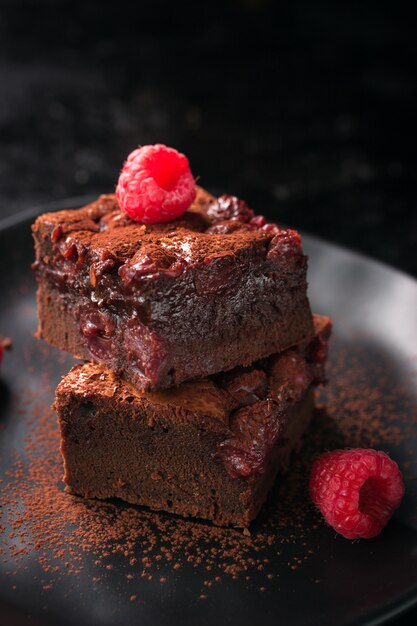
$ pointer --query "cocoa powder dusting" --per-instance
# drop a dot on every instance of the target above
(362, 406)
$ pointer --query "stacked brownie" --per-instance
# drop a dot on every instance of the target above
(201, 352)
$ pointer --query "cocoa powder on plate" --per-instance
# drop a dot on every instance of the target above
(362, 406)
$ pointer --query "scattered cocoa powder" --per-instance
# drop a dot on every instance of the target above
(366, 404)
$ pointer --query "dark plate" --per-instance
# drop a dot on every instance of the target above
(293, 569)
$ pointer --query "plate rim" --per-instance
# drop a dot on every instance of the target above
(378, 616)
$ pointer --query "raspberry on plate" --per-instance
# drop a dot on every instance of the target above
(357, 490)
(155, 184)
(4, 344)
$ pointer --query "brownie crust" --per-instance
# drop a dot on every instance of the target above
(165, 303)
(208, 448)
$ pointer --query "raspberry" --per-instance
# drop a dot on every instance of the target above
(155, 184)
(4, 344)
(230, 208)
(356, 490)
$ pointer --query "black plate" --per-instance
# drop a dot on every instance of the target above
(297, 570)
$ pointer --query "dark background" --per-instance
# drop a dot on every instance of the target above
(306, 109)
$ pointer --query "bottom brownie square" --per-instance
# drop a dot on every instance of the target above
(208, 448)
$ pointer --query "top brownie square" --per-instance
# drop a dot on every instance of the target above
(163, 303)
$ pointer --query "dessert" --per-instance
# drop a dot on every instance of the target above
(209, 448)
(202, 352)
(163, 303)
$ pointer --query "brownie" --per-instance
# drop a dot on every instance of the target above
(209, 448)
(164, 303)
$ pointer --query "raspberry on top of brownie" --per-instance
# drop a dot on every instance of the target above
(164, 302)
